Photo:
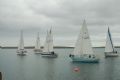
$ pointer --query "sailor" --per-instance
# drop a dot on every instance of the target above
(115, 51)
(52, 52)
(70, 55)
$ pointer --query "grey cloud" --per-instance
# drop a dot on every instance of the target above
(65, 16)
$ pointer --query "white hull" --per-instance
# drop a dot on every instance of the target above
(21, 52)
(111, 54)
(85, 58)
(38, 51)
(49, 54)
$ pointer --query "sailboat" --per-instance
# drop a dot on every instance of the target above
(48, 47)
(37, 46)
(83, 51)
(109, 48)
(21, 49)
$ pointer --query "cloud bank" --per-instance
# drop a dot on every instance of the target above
(65, 16)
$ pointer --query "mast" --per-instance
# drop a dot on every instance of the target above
(37, 42)
(48, 42)
(51, 40)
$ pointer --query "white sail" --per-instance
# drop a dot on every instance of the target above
(21, 44)
(48, 47)
(83, 44)
(109, 44)
(37, 46)
(50, 41)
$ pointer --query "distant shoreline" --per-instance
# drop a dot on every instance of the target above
(32, 47)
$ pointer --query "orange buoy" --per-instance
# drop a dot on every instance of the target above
(76, 69)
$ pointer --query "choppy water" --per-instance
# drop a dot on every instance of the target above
(35, 67)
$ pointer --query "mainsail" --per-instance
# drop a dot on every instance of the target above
(109, 43)
(83, 44)
(37, 46)
(48, 47)
(21, 44)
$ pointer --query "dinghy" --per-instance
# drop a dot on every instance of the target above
(83, 51)
(48, 47)
(37, 49)
(109, 48)
(21, 51)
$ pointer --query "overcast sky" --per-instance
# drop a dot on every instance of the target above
(65, 17)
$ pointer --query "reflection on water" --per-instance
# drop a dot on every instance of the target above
(50, 69)
(109, 68)
(20, 68)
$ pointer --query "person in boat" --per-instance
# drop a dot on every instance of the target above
(71, 55)
(89, 56)
(93, 56)
(52, 52)
(115, 51)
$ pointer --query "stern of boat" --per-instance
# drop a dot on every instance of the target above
(111, 54)
(87, 58)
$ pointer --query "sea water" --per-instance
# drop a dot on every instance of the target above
(35, 67)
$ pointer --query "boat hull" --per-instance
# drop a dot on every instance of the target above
(84, 59)
(49, 55)
(111, 54)
(38, 51)
(21, 52)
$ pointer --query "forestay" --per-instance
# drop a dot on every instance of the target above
(109, 43)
